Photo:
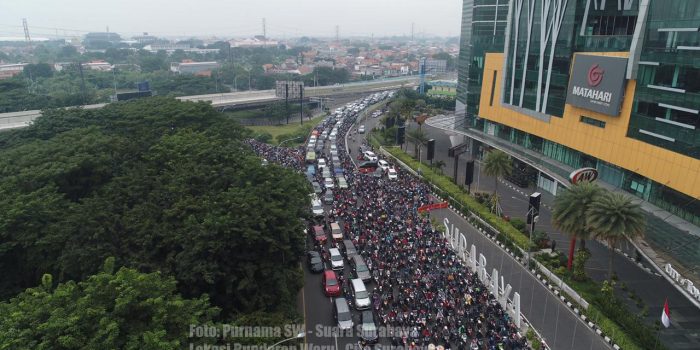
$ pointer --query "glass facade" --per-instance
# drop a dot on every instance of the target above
(483, 30)
(666, 105)
(667, 101)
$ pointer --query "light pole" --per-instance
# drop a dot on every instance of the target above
(298, 336)
(294, 138)
(533, 220)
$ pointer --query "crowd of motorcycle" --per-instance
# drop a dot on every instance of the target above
(421, 285)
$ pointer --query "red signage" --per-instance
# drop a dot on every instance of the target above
(583, 175)
(595, 75)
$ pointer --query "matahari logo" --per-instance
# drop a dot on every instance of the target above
(595, 75)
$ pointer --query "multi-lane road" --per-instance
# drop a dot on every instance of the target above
(560, 326)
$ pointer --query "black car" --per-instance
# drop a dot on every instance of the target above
(315, 262)
(328, 197)
(368, 328)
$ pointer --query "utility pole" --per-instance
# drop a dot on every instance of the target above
(264, 29)
(337, 33)
(301, 103)
(26, 32)
(286, 99)
(413, 27)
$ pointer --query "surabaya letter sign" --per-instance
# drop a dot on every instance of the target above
(583, 175)
(597, 83)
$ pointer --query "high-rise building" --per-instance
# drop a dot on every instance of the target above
(612, 85)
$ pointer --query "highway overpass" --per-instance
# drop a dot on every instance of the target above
(14, 120)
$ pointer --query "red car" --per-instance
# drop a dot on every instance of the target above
(367, 167)
(319, 234)
(331, 285)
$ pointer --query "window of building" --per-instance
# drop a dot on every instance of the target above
(591, 121)
(612, 25)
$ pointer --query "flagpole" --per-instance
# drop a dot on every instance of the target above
(658, 333)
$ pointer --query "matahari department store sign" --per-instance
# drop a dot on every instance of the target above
(597, 83)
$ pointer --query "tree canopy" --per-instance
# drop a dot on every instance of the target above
(122, 310)
(160, 185)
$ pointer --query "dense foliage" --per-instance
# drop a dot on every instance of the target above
(122, 310)
(160, 185)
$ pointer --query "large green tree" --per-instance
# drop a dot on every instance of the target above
(159, 184)
(569, 214)
(122, 310)
(497, 164)
(614, 217)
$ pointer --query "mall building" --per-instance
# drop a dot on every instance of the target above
(613, 85)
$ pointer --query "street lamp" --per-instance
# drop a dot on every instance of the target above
(294, 138)
(533, 220)
(298, 336)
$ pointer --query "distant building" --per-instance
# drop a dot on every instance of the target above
(435, 66)
(101, 40)
(10, 70)
(101, 66)
(257, 41)
(170, 48)
(145, 39)
(195, 68)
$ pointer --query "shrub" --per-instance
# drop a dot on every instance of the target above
(519, 224)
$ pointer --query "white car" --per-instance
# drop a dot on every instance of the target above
(328, 182)
(334, 147)
(370, 156)
(336, 259)
(361, 129)
(321, 163)
(316, 207)
(393, 175)
(384, 165)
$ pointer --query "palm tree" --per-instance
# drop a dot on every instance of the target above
(569, 214)
(613, 217)
(497, 164)
(419, 138)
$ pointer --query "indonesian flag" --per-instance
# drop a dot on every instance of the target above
(666, 315)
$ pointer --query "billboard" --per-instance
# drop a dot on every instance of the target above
(597, 83)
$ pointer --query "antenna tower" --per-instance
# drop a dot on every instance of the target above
(26, 32)
(264, 28)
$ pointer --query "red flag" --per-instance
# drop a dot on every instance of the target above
(666, 315)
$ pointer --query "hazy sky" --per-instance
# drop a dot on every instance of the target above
(285, 18)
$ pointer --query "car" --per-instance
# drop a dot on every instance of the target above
(370, 156)
(311, 169)
(334, 147)
(317, 187)
(334, 153)
(342, 183)
(383, 164)
(342, 314)
(335, 160)
(331, 286)
(361, 129)
(310, 156)
(328, 197)
(368, 328)
(321, 163)
(336, 259)
(359, 292)
(392, 174)
(316, 206)
(378, 173)
(315, 262)
(367, 167)
(319, 234)
(336, 231)
(319, 147)
(349, 248)
(326, 172)
(360, 268)
(328, 183)
(338, 170)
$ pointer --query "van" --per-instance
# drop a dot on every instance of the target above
(336, 232)
(350, 249)
(310, 156)
(360, 294)
(342, 314)
(360, 268)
